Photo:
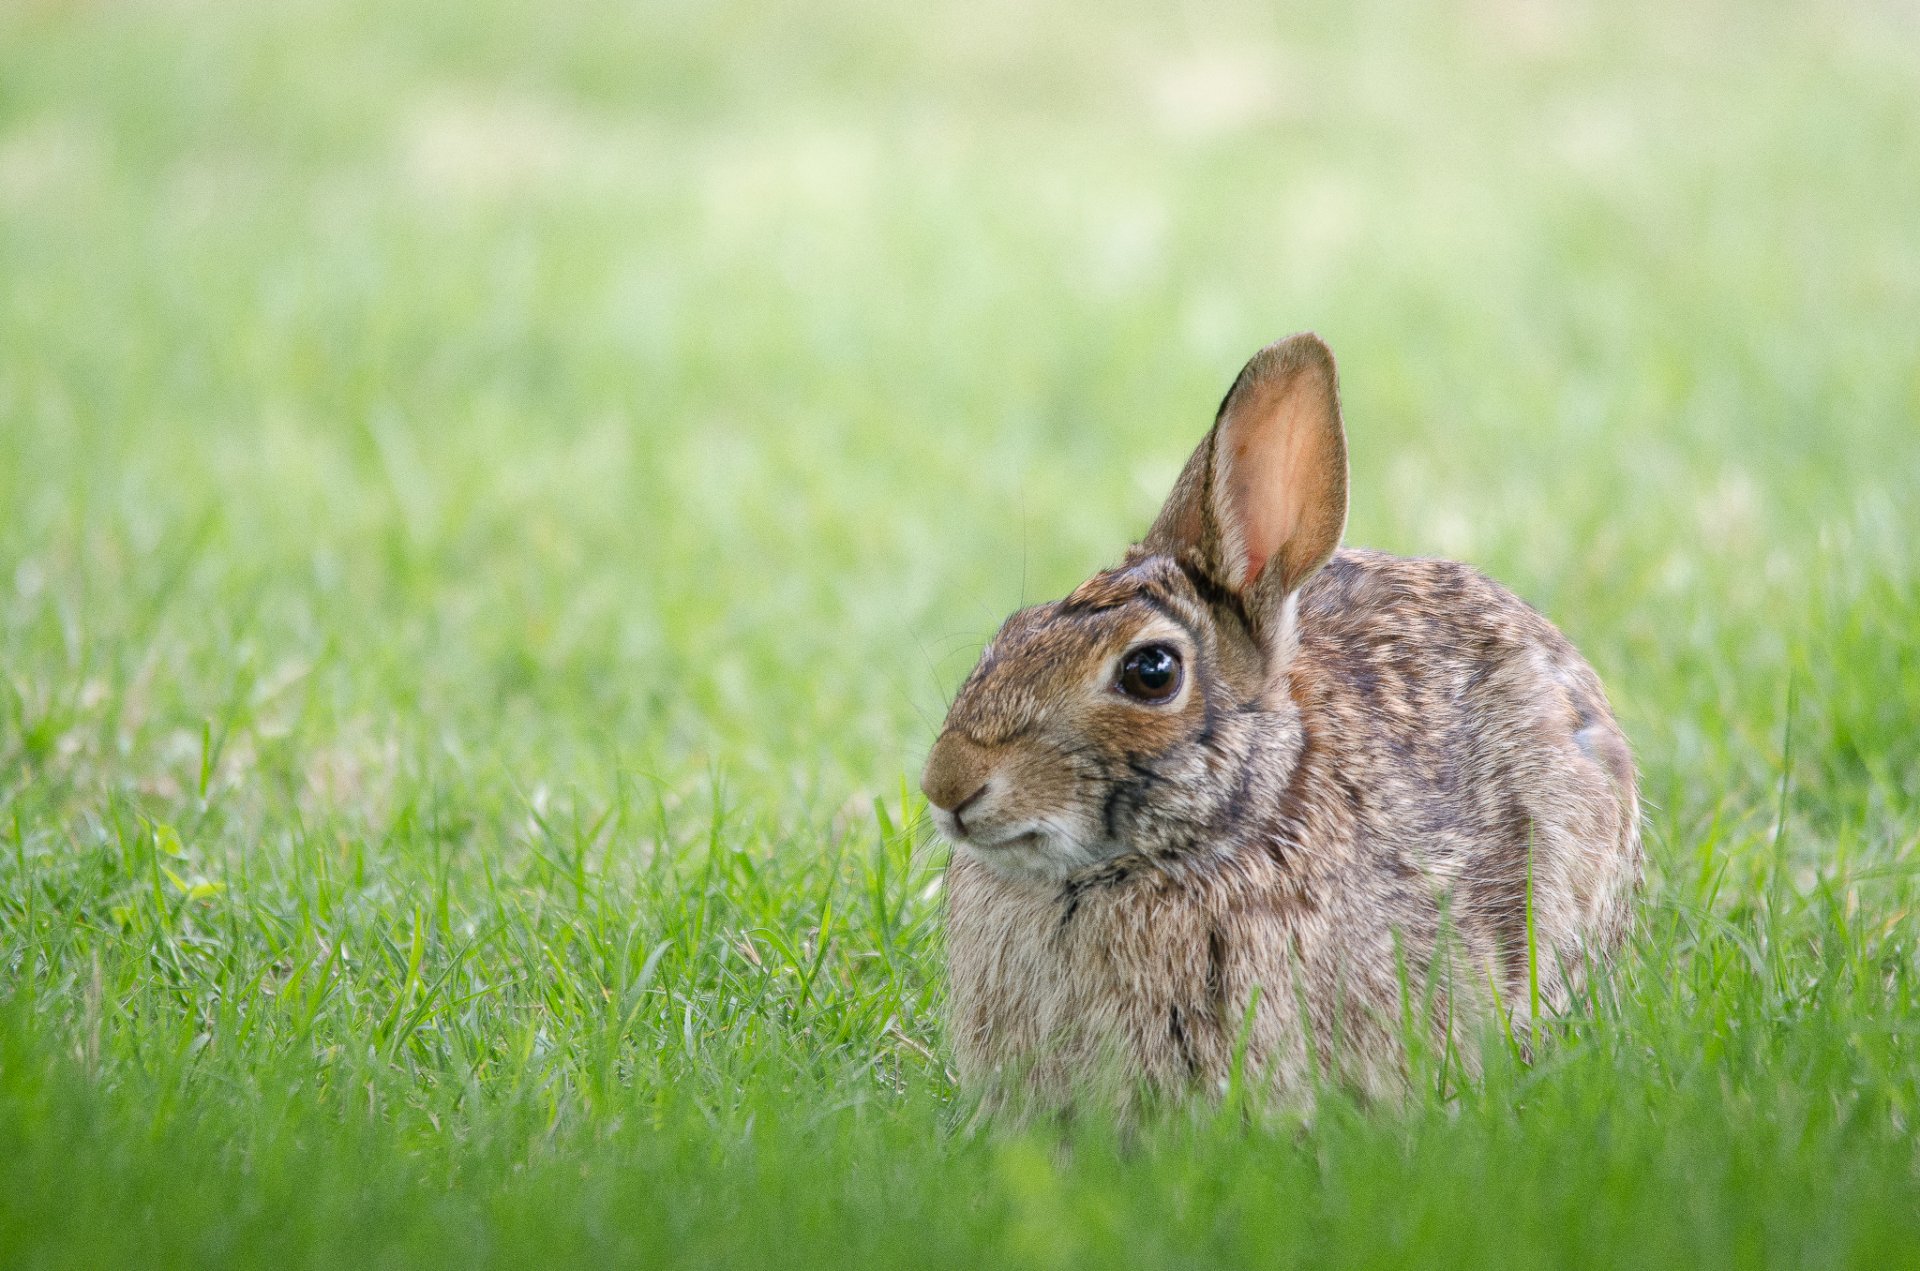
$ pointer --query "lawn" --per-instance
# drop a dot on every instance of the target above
(496, 494)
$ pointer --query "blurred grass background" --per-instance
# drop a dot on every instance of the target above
(495, 494)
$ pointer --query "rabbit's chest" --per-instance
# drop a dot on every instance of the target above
(1047, 976)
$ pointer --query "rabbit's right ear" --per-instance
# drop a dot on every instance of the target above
(1263, 502)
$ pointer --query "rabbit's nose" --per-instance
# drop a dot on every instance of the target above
(957, 773)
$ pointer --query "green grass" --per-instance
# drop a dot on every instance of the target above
(494, 495)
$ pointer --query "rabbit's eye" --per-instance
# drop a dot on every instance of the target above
(1150, 673)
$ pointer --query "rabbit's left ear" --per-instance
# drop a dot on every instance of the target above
(1263, 502)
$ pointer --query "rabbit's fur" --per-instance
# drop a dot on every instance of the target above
(1323, 844)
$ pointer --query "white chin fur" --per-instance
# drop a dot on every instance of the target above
(1039, 855)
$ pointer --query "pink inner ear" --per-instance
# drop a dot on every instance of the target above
(1272, 459)
(1282, 477)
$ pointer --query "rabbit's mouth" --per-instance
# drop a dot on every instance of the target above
(1028, 854)
(986, 838)
(1023, 839)
(1043, 852)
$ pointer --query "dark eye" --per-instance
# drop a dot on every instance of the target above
(1150, 673)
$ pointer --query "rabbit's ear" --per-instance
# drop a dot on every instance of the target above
(1263, 502)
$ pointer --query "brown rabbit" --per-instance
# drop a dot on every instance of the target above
(1250, 798)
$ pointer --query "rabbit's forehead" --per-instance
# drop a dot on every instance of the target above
(1045, 656)
(1101, 616)
(1047, 639)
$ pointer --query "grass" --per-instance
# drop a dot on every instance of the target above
(494, 495)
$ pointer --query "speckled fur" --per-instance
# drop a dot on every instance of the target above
(1342, 800)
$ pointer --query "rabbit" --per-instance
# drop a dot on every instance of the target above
(1253, 804)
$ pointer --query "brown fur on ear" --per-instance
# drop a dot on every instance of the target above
(1262, 503)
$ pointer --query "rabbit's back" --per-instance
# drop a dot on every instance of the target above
(1472, 744)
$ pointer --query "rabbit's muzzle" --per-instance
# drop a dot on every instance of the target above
(999, 802)
(968, 796)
